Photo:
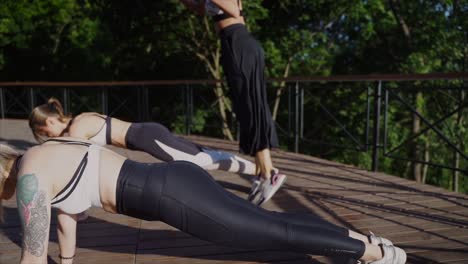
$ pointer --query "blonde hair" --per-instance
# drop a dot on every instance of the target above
(7, 155)
(39, 115)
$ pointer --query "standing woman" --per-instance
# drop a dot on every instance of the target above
(243, 62)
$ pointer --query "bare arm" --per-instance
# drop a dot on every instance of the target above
(33, 201)
(228, 6)
(194, 5)
(66, 232)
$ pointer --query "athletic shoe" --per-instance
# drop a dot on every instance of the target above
(269, 187)
(391, 255)
(376, 240)
(255, 190)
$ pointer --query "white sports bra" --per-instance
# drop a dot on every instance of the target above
(82, 191)
(103, 136)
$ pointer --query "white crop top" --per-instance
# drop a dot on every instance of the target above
(103, 136)
(82, 192)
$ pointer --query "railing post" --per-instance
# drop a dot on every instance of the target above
(237, 131)
(104, 101)
(289, 110)
(146, 109)
(2, 103)
(188, 109)
(66, 101)
(368, 106)
(142, 97)
(32, 101)
(385, 129)
(456, 158)
(296, 118)
(375, 145)
(302, 113)
(456, 173)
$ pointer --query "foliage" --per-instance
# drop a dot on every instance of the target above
(72, 40)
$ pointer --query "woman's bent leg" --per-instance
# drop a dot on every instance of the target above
(158, 141)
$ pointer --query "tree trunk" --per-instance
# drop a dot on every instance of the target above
(395, 6)
(427, 158)
(416, 150)
(280, 89)
(456, 165)
(417, 168)
(212, 63)
(222, 110)
(220, 97)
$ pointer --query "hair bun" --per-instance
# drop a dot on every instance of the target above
(51, 106)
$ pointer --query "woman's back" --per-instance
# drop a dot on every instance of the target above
(58, 167)
(95, 127)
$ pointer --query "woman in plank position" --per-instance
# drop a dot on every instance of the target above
(49, 120)
(72, 175)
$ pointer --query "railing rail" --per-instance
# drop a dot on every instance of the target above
(335, 78)
(375, 90)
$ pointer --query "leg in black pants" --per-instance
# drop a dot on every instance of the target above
(243, 61)
(185, 196)
(157, 140)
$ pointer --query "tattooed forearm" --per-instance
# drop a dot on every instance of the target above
(33, 213)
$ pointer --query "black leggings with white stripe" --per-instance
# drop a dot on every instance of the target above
(157, 140)
(185, 196)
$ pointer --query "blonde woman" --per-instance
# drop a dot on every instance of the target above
(73, 175)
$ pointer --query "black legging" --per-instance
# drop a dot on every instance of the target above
(157, 140)
(142, 136)
(185, 196)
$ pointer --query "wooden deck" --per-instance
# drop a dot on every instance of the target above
(428, 222)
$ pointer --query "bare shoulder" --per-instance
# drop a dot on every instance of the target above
(85, 125)
(88, 117)
(37, 155)
(51, 159)
(50, 152)
(34, 163)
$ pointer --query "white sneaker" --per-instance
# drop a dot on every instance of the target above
(376, 240)
(269, 187)
(255, 190)
(391, 255)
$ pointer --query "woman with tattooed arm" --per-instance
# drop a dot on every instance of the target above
(73, 175)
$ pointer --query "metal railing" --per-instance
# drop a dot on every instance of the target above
(372, 91)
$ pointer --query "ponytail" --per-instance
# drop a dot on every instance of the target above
(39, 115)
(56, 107)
